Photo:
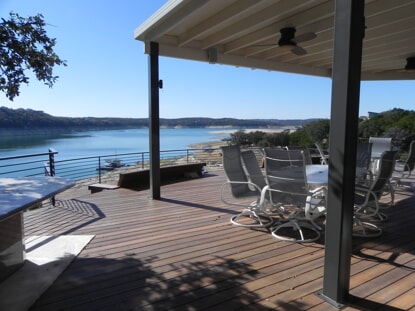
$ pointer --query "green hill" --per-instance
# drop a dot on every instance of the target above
(32, 119)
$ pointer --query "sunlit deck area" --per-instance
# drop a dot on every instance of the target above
(182, 253)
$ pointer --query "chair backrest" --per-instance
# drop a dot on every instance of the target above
(251, 165)
(306, 153)
(285, 176)
(386, 167)
(363, 155)
(380, 144)
(232, 165)
(410, 160)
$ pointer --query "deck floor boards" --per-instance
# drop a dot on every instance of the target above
(182, 253)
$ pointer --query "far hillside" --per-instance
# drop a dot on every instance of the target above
(32, 119)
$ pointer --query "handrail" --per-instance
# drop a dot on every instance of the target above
(32, 166)
(98, 166)
(28, 155)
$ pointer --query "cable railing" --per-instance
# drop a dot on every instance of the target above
(28, 164)
(99, 168)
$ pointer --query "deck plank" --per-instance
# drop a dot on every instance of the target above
(182, 253)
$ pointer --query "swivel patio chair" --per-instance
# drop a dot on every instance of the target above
(324, 157)
(379, 145)
(287, 189)
(250, 162)
(367, 206)
(306, 153)
(363, 161)
(405, 170)
(242, 190)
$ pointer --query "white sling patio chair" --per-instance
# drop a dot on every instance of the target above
(324, 157)
(286, 188)
(306, 153)
(380, 144)
(242, 190)
(367, 208)
(405, 169)
(250, 162)
(363, 161)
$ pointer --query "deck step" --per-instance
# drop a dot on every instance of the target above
(99, 187)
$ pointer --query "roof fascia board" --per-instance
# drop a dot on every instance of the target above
(385, 76)
(169, 15)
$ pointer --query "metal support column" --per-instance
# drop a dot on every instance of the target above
(347, 55)
(154, 121)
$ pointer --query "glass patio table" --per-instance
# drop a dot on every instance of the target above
(317, 175)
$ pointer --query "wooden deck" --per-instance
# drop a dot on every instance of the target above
(182, 253)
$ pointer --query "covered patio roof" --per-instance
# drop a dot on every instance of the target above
(348, 41)
(246, 33)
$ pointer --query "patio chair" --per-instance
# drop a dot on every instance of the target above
(254, 172)
(380, 144)
(287, 189)
(367, 208)
(405, 170)
(324, 157)
(242, 189)
(363, 161)
(306, 153)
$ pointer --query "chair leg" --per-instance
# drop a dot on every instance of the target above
(250, 218)
(365, 229)
(297, 234)
(315, 208)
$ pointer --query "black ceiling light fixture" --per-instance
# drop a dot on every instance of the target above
(410, 64)
(288, 41)
(287, 38)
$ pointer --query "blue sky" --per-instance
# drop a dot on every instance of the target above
(107, 73)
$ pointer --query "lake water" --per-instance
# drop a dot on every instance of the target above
(100, 143)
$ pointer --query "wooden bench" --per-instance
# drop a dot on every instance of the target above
(168, 174)
(99, 187)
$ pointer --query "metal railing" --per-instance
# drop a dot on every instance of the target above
(99, 168)
(28, 164)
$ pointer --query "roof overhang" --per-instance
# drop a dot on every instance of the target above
(231, 32)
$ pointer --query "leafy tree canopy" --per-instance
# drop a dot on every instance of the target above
(396, 123)
(24, 45)
(399, 124)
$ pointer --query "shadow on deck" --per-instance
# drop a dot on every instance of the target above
(182, 253)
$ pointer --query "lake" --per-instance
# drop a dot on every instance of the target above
(99, 143)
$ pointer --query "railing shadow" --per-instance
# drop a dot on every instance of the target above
(198, 205)
(68, 216)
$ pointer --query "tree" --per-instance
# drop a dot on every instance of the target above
(240, 138)
(318, 131)
(24, 45)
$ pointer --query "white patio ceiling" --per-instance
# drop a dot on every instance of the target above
(187, 29)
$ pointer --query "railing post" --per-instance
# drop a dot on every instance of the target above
(52, 162)
(99, 169)
(187, 155)
(52, 170)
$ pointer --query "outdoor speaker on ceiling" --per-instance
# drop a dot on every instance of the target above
(212, 55)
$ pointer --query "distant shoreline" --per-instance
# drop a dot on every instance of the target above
(217, 144)
(251, 130)
(5, 132)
